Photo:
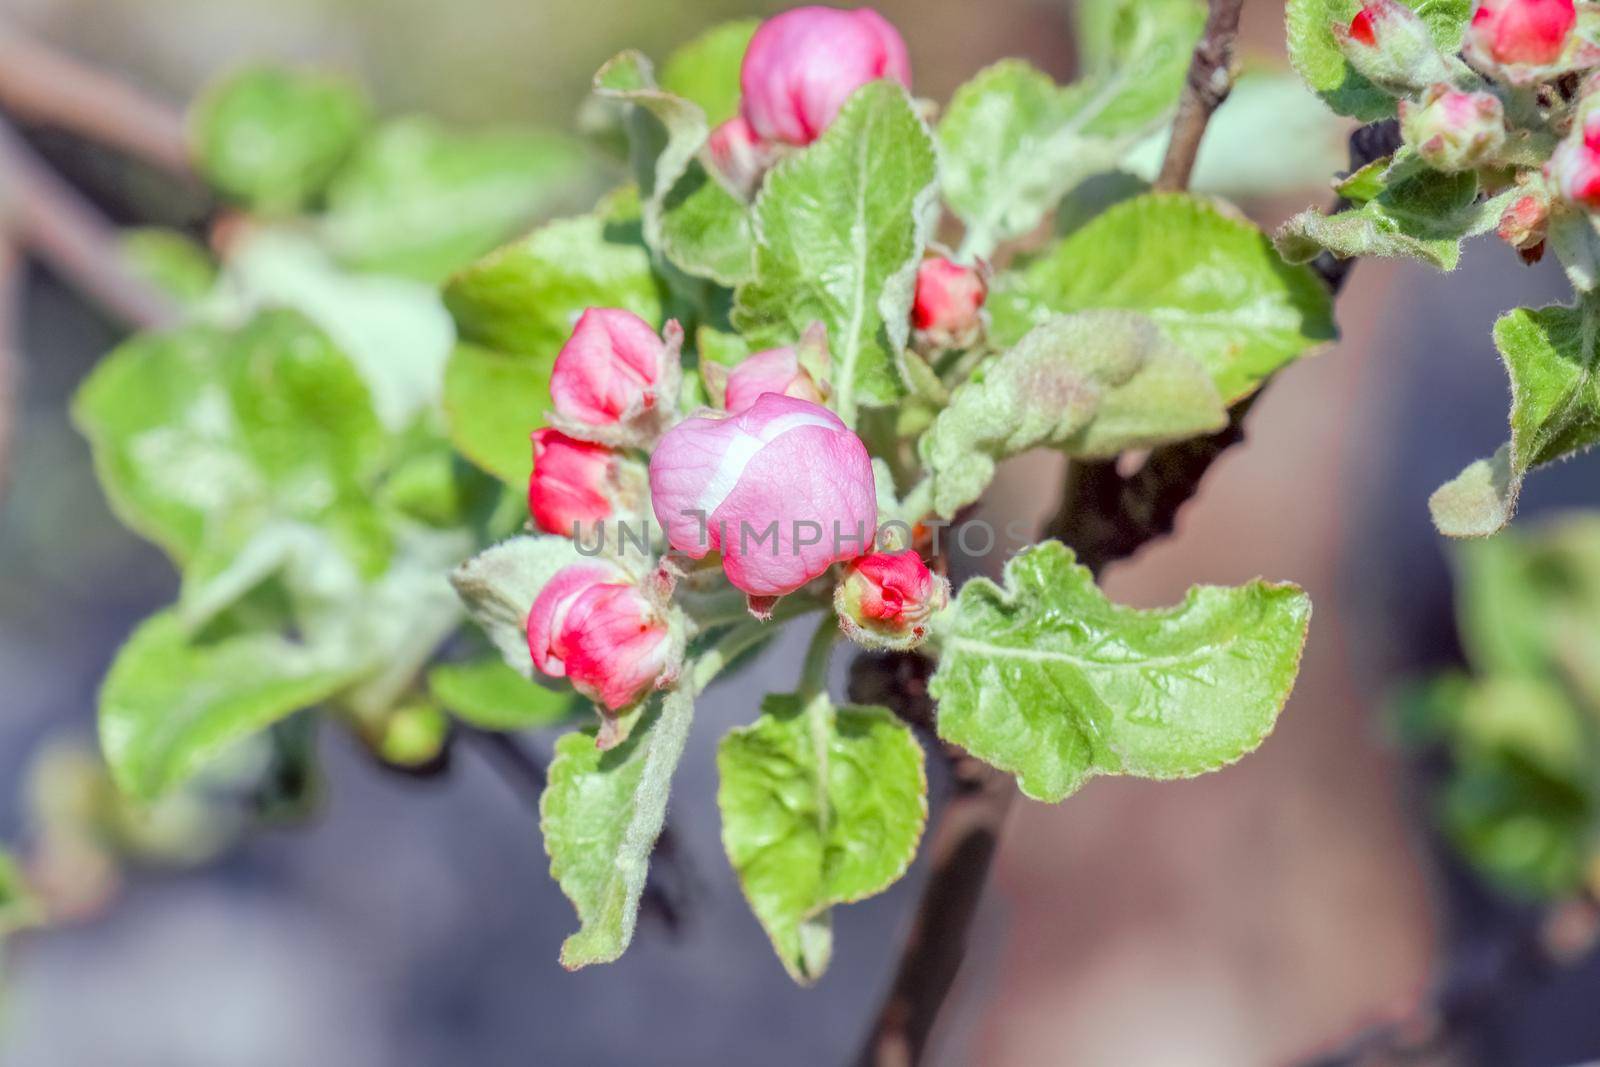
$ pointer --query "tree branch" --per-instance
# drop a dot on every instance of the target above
(1104, 517)
(42, 86)
(54, 220)
(1209, 83)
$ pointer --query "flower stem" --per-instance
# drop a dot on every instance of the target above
(819, 654)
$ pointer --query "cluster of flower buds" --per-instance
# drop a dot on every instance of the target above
(769, 480)
(798, 71)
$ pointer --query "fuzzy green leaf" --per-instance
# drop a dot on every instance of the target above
(489, 694)
(820, 806)
(1210, 280)
(1551, 356)
(201, 436)
(1316, 56)
(1090, 384)
(1409, 212)
(1012, 143)
(394, 330)
(422, 201)
(170, 260)
(500, 584)
(273, 138)
(1049, 680)
(601, 815)
(172, 702)
(689, 216)
(840, 229)
(706, 70)
(516, 308)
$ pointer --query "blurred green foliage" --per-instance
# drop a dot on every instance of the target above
(1521, 726)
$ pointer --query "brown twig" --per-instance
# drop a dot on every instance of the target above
(53, 220)
(42, 86)
(1210, 81)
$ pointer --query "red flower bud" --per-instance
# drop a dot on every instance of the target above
(1531, 32)
(593, 626)
(947, 308)
(1574, 168)
(887, 598)
(612, 372)
(803, 65)
(1390, 45)
(576, 483)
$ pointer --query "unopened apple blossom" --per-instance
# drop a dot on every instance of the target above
(592, 625)
(801, 66)
(886, 599)
(616, 379)
(783, 490)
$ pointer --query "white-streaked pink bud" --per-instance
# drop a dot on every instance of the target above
(783, 490)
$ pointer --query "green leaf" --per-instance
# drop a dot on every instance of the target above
(1049, 680)
(273, 138)
(489, 694)
(689, 216)
(201, 436)
(172, 701)
(516, 308)
(1519, 800)
(170, 260)
(422, 201)
(394, 330)
(1551, 356)
(820, 806)
(1012, 143)
(1316, 56)
(19, 908)
(706, 70)
(1210, 280)
(500, 584)
(1413, 213)
(840, 228)
(1091, 384)
(601, 815)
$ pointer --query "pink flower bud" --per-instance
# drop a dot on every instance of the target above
(1390, 45)
(776, 370)
(803, 65)
(591, 625)
(783, 490)
(614, 371)
(887, 598)
(1524, 225)
(1454, 131)
(739, 155)
(1574, 167)
(576, 483)
(947, 309)
(1531, 32)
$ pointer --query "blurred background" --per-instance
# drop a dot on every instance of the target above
(1261, 915)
